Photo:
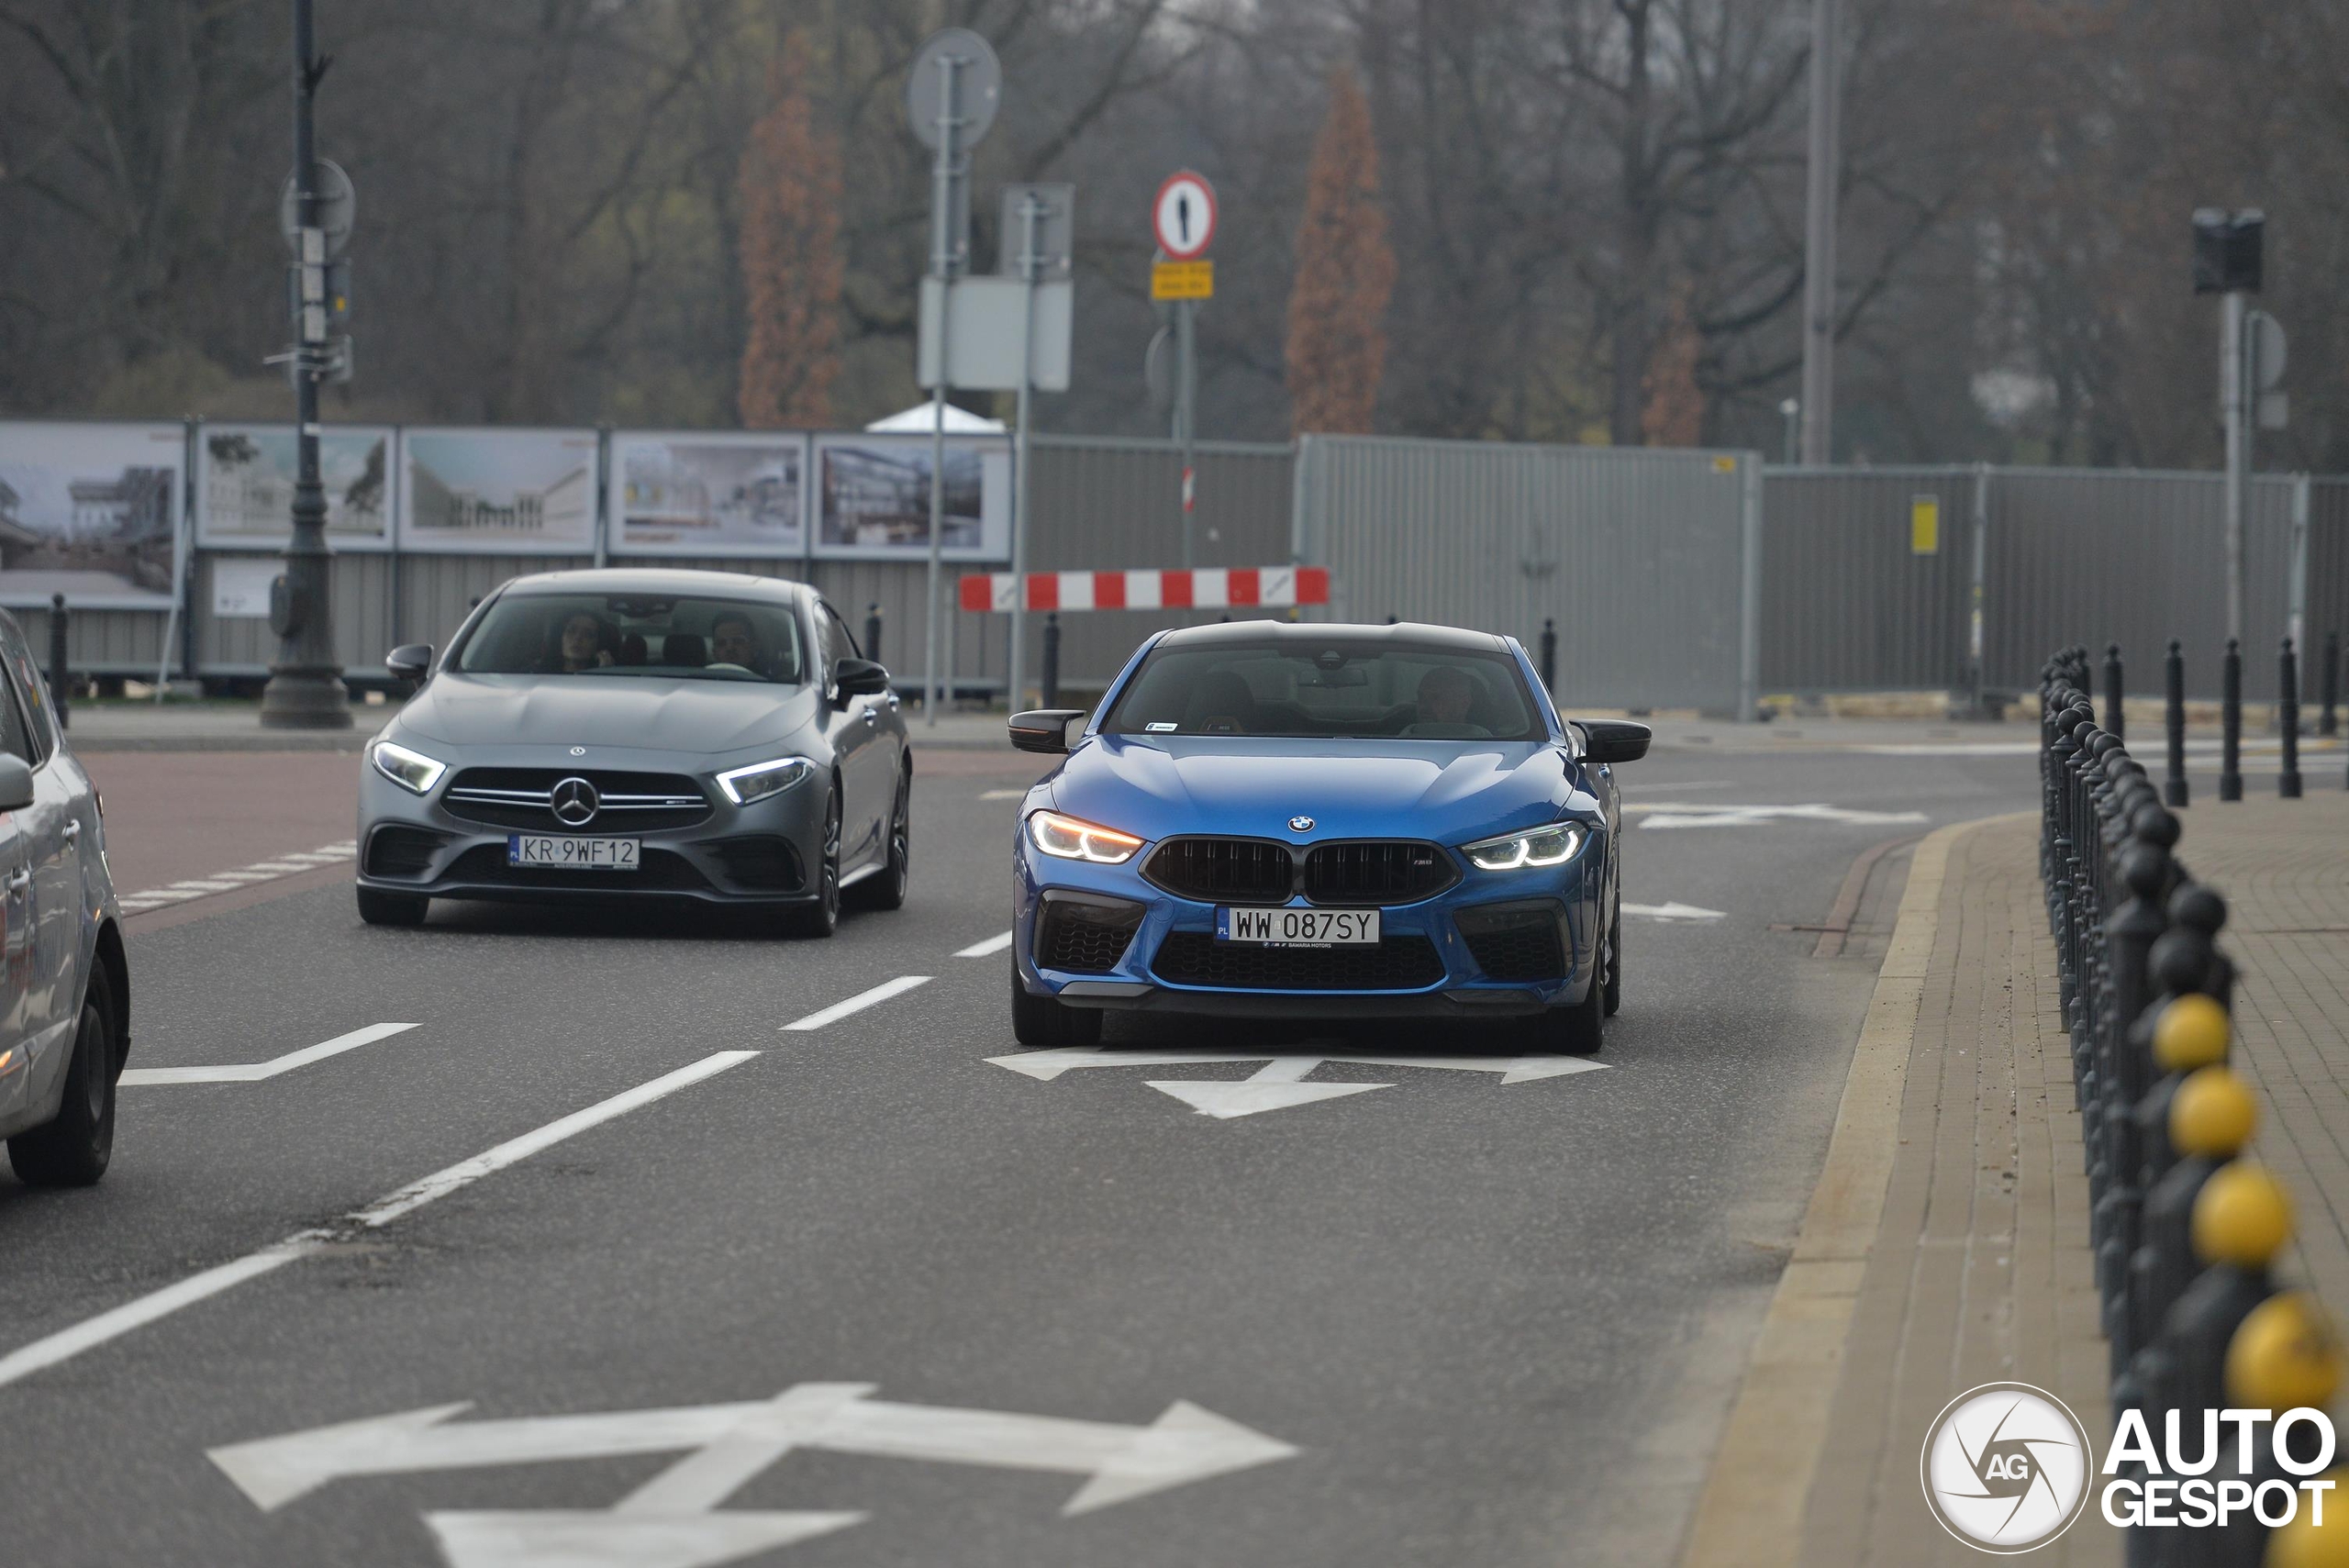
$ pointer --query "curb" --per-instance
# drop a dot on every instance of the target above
(1749, 1512)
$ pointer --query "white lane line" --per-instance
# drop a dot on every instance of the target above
(194, 887)
(226, 881)
(1669, 912)
(242, 876)
(277, 868)
(991, 945)
(254, 1072)
(67, 1343)
(858, 1003)
(1003, 794)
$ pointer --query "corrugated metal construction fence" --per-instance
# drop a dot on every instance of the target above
(1641, 558)
(1673, 579)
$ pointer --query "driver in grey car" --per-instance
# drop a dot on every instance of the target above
(733, 640)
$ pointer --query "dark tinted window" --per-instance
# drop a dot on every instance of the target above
(1342, 687)
(609, 635)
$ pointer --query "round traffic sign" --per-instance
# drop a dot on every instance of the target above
(979, 85)
(338, 204)
(1183, 216)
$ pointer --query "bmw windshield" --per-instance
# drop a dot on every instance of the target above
(1342, 688)
(622, 634)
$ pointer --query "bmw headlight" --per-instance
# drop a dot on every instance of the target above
(1070, 839)
(759, 780)
(409, 770)
(1551, 846)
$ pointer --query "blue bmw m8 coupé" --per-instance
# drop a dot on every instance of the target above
(1323, 821)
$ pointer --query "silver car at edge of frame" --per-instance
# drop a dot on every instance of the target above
(64, 985)
(622, 735)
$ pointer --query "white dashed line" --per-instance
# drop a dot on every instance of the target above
(226, 881)
(858, 1003)
(1003, 794)
(991, 945)
(254, 1072)
(67, 1343)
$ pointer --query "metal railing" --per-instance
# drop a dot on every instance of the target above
(2185, 1228)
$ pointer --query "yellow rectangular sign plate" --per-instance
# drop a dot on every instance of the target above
(1925, 525)
(1181, 280)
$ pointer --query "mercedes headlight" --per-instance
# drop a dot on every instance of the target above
(1551, 846)
(759, 780)
(409, 770)
(1070, 839)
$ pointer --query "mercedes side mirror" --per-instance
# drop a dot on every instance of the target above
(860, 678)
(1052, 730)
(1615, 740)
(15, 784)
(410, 661)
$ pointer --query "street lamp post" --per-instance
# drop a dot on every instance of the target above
(306, 689)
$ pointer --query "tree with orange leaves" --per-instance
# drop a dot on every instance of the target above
(1345, 273)
(790, 255)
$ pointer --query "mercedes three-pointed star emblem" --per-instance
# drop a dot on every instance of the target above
(575, 802)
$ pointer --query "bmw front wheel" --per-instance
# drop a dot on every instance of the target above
(1048, 1021)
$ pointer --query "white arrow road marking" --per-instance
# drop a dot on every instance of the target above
(858, 1003)
(1660, 813)
(1274, 1087)
(583, 1539)
(1280, 1085)
(994, 944)
(253, 1073)
(1119, 1463)
(67, 1343)
(1671, 912)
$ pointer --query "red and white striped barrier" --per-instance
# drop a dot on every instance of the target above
(1208, 588)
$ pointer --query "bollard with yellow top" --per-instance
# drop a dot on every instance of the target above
(2211, 1117)
(2241, 1219)
(2286, 1357)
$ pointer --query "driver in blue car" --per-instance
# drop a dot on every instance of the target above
(1446, 693)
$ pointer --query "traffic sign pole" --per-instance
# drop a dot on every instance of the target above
(306, 689)
(941, 266)
(1182, 217)
(1031, 261)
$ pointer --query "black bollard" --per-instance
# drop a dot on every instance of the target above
(1550, 655)
(872, 635)
(2231, 724)
(2287, 720)
(2113, 722)
(2173, 791)
(1051, 678)
(58, 673)
(2328, 685)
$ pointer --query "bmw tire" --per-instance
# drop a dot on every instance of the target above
(1048, 1021)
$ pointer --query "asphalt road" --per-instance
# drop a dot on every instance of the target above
(1497, 1322)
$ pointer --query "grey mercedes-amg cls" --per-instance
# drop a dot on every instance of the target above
(621, 735)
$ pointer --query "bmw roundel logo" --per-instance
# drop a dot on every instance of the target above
(1300, 824)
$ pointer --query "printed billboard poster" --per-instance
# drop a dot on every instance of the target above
(874, 497)
(707, 492)
(498, 492)
(244, 485)
(91, 511)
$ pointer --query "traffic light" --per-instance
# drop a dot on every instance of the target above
(2227, 250)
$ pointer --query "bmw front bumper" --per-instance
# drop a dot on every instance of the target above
(1071, 910)
(764, 854)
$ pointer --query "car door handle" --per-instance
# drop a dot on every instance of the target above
(72, 832)
(871, 717)
(18, 883)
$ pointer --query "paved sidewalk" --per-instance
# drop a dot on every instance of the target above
(1945, 1247)
(2283, 867)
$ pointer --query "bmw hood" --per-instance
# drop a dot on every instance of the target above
(1446, 790)
(640, 713)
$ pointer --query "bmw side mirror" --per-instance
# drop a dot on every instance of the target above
(1615, 740)
(860, 678)
(1047, 729)
(15, 784)
(410, 661)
